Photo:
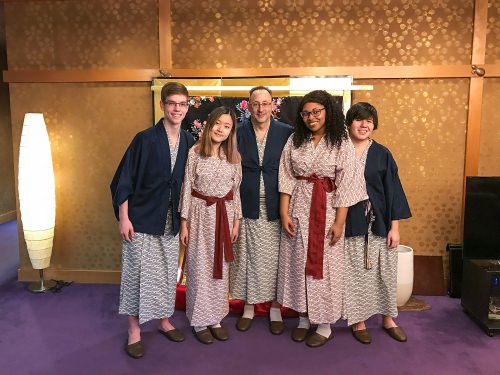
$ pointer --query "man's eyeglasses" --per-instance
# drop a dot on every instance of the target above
(256, 105)
(315, 112)
(171, 104)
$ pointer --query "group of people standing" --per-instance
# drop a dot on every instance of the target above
(304, 217)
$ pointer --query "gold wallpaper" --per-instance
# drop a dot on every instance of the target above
(423, 123)
(489, 150)
(493, 33)
(89, 126)
(291, 33)
(90, 34)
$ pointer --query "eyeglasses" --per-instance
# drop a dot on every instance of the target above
(171, 104)
(315, 112)
(256, 105)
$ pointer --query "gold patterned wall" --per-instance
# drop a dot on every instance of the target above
(90, 34)
(493, 33)
(89, 126)
(423, 121)
(489, 150)
(292, 33)
(414, 123)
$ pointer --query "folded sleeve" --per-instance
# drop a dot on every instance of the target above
(125, 179)
(187, 185)
(399, 207)
(236, 191)
(349, 180)
(286, 177)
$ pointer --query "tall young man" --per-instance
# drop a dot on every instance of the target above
(145, 192)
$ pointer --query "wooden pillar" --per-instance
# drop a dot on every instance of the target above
(473, 135)
(165, 35)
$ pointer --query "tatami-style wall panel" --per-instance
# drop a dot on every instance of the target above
(489, 156)
(91, 34)
(90, 126)
(427, 139)
(291, 33)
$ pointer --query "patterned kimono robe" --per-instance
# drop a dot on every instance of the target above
(254, 272)
(373, 291)
(150, 176)
(206, 297)
(321, 298)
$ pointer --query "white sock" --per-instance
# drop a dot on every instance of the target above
(324, 330)
(216, 325)
(248, 311)
(199, 328)
(275, 314)
(304, 322)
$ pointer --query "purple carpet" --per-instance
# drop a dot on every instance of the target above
(9, 251)
(78, 331)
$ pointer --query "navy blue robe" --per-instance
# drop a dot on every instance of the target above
(144, 178)
(385, 193)
(277, 136)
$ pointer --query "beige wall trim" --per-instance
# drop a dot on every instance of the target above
(59, 76)
(80, 276)
(145, 75)
(359, 72)
(8, 216)
(492, 70)
(476, 89)
(479, 32)
(473, 127)
(165, 34)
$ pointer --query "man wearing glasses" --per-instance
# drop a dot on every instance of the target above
(254, 271)
(145, 192)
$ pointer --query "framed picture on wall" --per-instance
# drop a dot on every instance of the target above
(209, 93)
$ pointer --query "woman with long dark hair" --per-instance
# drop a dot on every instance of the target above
(210, 219)
(317, 182)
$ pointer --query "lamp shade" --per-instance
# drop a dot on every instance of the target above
(36, 190)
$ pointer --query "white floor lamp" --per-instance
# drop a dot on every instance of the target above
(37, 196)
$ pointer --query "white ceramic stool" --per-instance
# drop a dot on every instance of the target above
(405, 274)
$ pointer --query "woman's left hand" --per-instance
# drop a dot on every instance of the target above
(335, 232)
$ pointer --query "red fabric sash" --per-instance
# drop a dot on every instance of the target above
(317, 223)
(222, 232)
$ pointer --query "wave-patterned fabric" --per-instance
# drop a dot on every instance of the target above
(149, 274)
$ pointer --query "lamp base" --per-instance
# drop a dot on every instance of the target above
(41, 286)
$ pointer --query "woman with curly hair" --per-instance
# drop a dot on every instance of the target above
(317, 182)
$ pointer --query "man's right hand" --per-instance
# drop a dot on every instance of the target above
(126, 229)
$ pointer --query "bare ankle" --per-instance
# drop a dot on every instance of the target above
(166, 325)
(359, 326)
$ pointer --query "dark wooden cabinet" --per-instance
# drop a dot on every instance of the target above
(480, 288)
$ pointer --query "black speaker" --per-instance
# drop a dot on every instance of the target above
(455, 253)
